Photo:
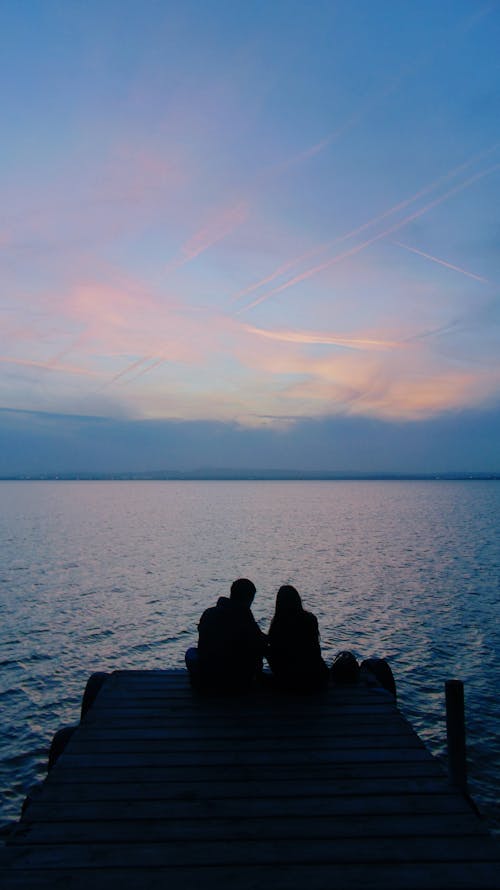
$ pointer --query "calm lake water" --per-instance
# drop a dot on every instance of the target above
(105, 575)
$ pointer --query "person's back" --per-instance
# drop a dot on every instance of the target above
(230, 642)
(294, 648)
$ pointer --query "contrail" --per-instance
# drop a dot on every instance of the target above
(281, 270)
(376, 219)
(205, 239)
(326, 339)
(223, 225)
(155, 364)
(44, 366)
(436, 259)
(366, 105)
(77, 342)
(128, 369)
(359, 247)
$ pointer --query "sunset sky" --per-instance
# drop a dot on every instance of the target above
(249, 234)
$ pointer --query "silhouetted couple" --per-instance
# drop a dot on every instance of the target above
(231, 646)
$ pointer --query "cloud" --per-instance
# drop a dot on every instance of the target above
(217, 157)
(157, 357)
(402, 378)
(81, 207)
(325, 339)
(34, 442)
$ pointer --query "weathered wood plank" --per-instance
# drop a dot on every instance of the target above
(223, 728)
(123, 691)
(163, 720)
(339, 805)
(166, 717)
(232, 755)
(205, 787)
(390, 876)
(258, 851)
(161, 695)
(358, 772)
(290, 826)
(111, 746)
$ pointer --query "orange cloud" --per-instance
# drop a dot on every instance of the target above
(404, 391)
(401, 378)
(430, 394)
(309, 337)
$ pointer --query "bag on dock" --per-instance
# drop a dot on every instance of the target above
(345, 668)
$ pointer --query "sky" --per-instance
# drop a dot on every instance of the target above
(249, 234)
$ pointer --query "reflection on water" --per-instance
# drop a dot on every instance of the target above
(104, 575)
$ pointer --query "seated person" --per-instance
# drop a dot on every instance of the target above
(294, 651)
(230, 643)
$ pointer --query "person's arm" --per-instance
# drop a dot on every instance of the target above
(261, 639)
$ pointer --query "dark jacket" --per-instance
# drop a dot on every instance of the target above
(230, 644)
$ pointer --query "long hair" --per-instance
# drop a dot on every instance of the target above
(288, 606)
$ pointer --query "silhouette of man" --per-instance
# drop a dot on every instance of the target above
(230, 643)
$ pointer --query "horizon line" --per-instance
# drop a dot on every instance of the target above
(267, 475)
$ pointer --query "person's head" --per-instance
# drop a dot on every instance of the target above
(288, 601)
(242, 592)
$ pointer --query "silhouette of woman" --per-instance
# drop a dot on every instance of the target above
(294, 651)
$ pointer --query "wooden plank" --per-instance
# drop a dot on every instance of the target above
(390, 876)
(125, 694)
(258, 851)
(165, 717)
(233, 756)
(163, 742)
(357, 773)
(290, 826)
(393, 876)
(339, 805)
(123, 691)
(125, 686)
(331, 698)
(273, 730)
(207, 788)
(162, 720)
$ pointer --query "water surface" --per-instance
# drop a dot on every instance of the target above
(105, 575)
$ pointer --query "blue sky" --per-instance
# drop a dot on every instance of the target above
(249, 233)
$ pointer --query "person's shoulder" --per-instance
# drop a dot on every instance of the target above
(206, 614)
(215, 610)
(311, 619)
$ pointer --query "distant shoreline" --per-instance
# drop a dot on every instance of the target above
(249, 476)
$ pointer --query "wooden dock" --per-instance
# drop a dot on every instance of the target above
(162, 788)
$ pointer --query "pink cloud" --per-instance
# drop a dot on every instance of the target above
(91, 202)
(367, 374)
